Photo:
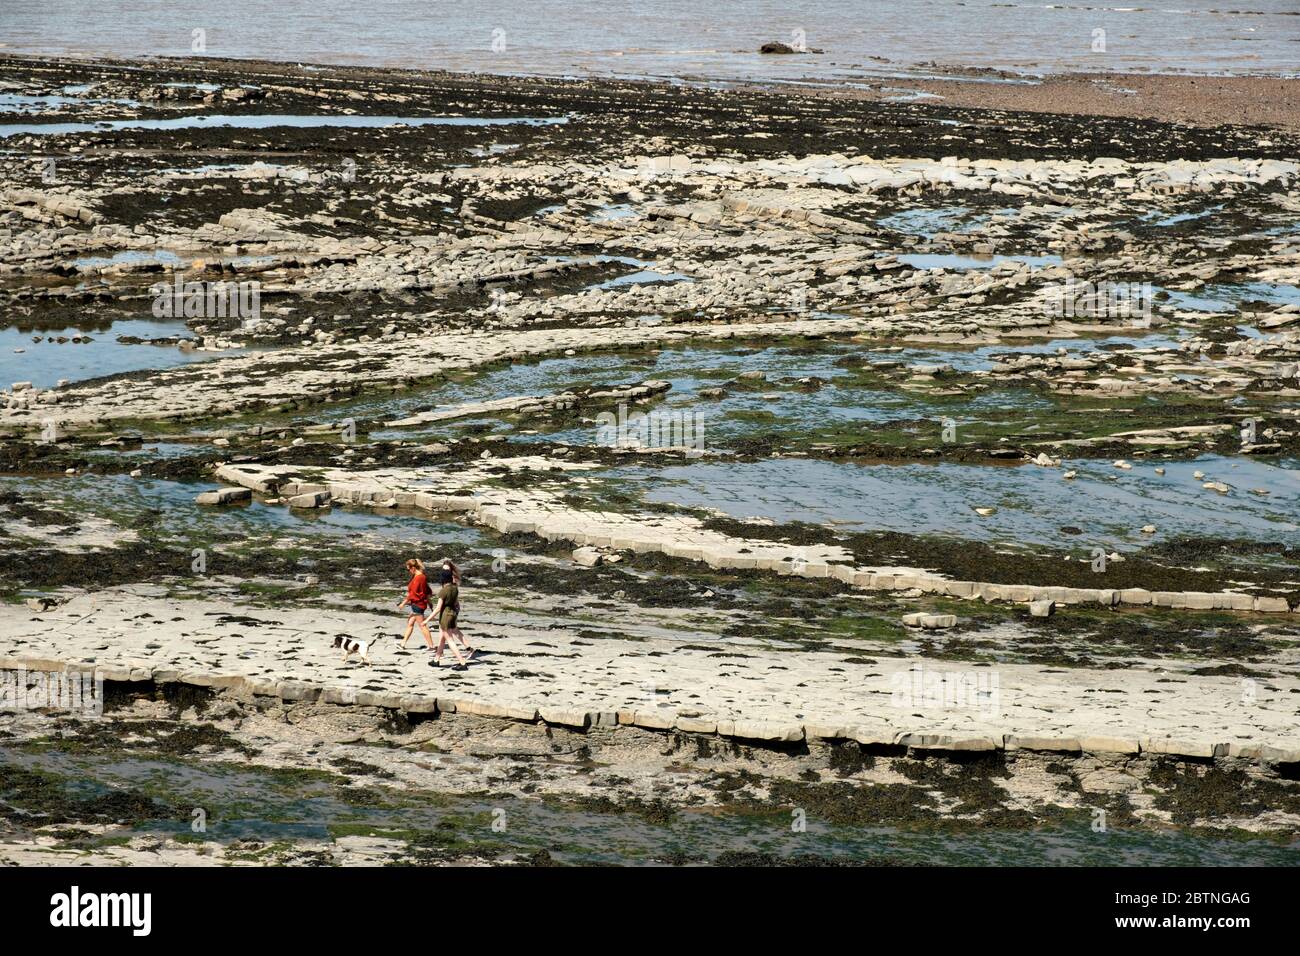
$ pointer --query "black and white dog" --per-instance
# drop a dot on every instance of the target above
(351, 646)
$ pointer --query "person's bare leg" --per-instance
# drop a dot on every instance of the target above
(428, 637)
(410, 626)
(457, 633)
(452, 644)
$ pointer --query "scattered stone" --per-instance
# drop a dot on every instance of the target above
(1042, 608)
(930, 622)
(224, 496)
(315, 499)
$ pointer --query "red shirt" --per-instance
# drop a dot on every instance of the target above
(417, 592)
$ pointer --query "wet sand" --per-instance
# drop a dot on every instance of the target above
(1262, 101)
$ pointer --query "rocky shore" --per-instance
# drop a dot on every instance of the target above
(925, 465)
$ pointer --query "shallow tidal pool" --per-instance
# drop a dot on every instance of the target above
(252, 803)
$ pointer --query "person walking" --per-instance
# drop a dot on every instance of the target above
(417, 599)
(449, 566)
(446, 612)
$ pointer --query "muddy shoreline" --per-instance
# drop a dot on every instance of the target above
(1249, 100)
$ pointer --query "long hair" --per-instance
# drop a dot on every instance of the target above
(455, 571)
(415, 564)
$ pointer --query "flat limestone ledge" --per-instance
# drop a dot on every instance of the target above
(683, 538)
(654, 719)
(235, 384)
(534, 403)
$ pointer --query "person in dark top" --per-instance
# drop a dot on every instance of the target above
(417, 599)
(446, 613)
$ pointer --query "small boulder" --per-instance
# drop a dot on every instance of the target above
(224, 496)
(317, 499)
(930, 622)
(588, 557)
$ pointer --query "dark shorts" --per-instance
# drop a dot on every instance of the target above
(420, 609)
(448, 620)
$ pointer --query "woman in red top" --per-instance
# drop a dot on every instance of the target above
(417, 598)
